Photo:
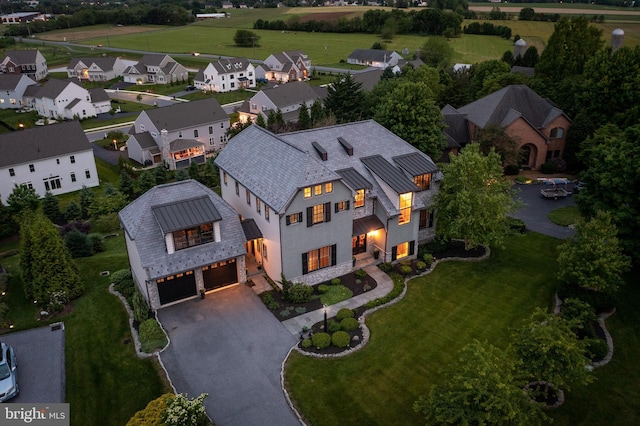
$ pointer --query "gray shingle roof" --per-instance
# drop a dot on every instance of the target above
(368, 79)
(42, 142)
(53, 88)
(145, 140)
(185, 214)
(21, 57)
(292, 93)
(141, 225)
(251, 230)
(180, 144)
(375, 55)
(98, 94)
(105, 63)
(187, 114)
(269, 167)
(151, 59)
(10, 81)
(389, 174)
(494, 108)
(224, 66)
(72, 103)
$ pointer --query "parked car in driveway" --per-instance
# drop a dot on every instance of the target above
(190, 88)
(8, 373)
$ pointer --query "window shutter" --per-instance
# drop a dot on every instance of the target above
(394, 253)
(348, 204)
(335, 208)
(412, 246)
(299, 217)
(309, 217)
(305, 264)
(288, 220)
(327, 212)
(333, 254)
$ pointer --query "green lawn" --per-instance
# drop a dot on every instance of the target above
(105, 381)
(564, 216)
(412, 340)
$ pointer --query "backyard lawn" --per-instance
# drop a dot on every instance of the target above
(413, 340)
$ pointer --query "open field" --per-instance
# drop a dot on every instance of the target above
(84, 33)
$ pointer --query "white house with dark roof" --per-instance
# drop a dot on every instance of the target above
(288, 98)
(226, 75)
(56, 158)
(96, 69)
(178, 134)
(12, 89)
(156, 68)
(65, 99)
(29, 62)
(374, 58)
(182, 239)
(287, 66)
(321, 196)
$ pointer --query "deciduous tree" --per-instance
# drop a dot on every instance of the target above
(474, 198)
(246, 38)
(436, 52)
(22, 198)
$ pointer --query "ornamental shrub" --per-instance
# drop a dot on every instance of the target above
(511, 170)
(151, 336)
(306, 343)
(321, 340)
(300, 310)
(79, 244)
(386, 267)
(140, 307)
(406, 269)
(421, 265)
(152, 414)
(123, 275)
(344, 313)
(428, 258)
(516, 225)
(597, 348)
(182, 411)
(323, 288)
(548, 168)
(340, 339)
(335, 281)
(299, 293)
(349, 324)
(360, 273)
(334, 326)
(98, 242)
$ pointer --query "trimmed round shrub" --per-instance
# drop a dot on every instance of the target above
(421, 265)
(306, 343)
(598, 348)
(152, 414)
(79, 244)
(386, 266)
(428, 258)
(334, 326)
(517, 225)
(406, 269)
(299, 293)
(344, 313)
(360, 273)
(349, 324)
(321, 340)
(323, 288)
(340, 339)
(335, 281)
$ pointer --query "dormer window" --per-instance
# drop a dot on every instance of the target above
(358, 200)
(191, 237)
(423, 181)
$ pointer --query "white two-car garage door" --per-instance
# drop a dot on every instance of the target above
(176, 287)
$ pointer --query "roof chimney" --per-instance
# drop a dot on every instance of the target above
(346, 146)
(321, 151)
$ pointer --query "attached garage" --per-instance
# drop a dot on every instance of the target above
(220, 274)
(176, 287)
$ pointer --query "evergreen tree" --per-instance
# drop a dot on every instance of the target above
(126, 185)
(22, 198)
(194, 171)
(8, 225)
(161, 175)
(51, 207)
(182, 174)
(147, 181)
(316, 113)
(78, 244)
(72, 212)
(304, 119)
(86, 198)
(345, 99)
(260, 121)
(210, 174)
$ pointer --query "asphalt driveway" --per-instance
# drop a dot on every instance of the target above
(40, 357)
(536, 209)
(231, 347)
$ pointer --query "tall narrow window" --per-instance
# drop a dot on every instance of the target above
(328, 187)
(258, 204)
(73, 159)
(405, 208)
(195, 133)
(423, 181)
(32, 168)
(317, 190)
(237, 189)
(73, 177)
(224, 176)
(12, 172)
(87, 174)
(266, 212)
(307, 192)
(358, 200)
(248, 197)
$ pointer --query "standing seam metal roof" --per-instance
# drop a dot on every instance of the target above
(415, 164)
(389, 174)
(185, 214)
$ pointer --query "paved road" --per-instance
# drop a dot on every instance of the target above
(231, 347)
(536, 209)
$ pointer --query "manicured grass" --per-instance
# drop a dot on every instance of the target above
(412, 340)
(336, 294)
(564, 216)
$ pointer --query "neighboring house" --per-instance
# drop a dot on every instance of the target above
(156, 68)
(21, 17)
(56, 158)
(29, 62)
(226, 75)
(182, 239)
(415, 64)
(321, 196)
(287, 98)
(12, 88)
(538, 126)
(178, 134)
(368, 79)
(64, 99)
(374, 58)
(96, 69)
(287, 66)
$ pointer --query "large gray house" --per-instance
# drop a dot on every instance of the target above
(319, 197)
(182, 238)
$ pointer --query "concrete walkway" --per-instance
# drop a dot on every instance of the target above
(385, 285)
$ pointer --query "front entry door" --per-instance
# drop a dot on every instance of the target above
(359, 244)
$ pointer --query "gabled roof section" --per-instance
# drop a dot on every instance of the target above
(187, 114)
(271, 168)
(98, 94)
(185, 214)
(105, 63)
(368, 79)
(353, 179)
(226, 66)
(54, 87)
(21, 57)
(374, 55)
(292, 93)
(498, 106)
(415, 164)
(152, 59)
(10, 81)
(145, 140)
(42, 142)
(389, 174)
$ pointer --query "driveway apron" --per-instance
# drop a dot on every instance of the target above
(536, 208)
(231, 347)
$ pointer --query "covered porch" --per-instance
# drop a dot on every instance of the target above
(184, 151)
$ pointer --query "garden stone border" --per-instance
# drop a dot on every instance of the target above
(362, 319)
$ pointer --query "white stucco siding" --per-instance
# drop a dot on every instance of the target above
(48, 170)
(136, 265)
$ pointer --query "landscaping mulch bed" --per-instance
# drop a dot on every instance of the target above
(356, 339)
(348, 280)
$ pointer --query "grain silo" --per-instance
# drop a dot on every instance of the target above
(519, 48)
(617, 39)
